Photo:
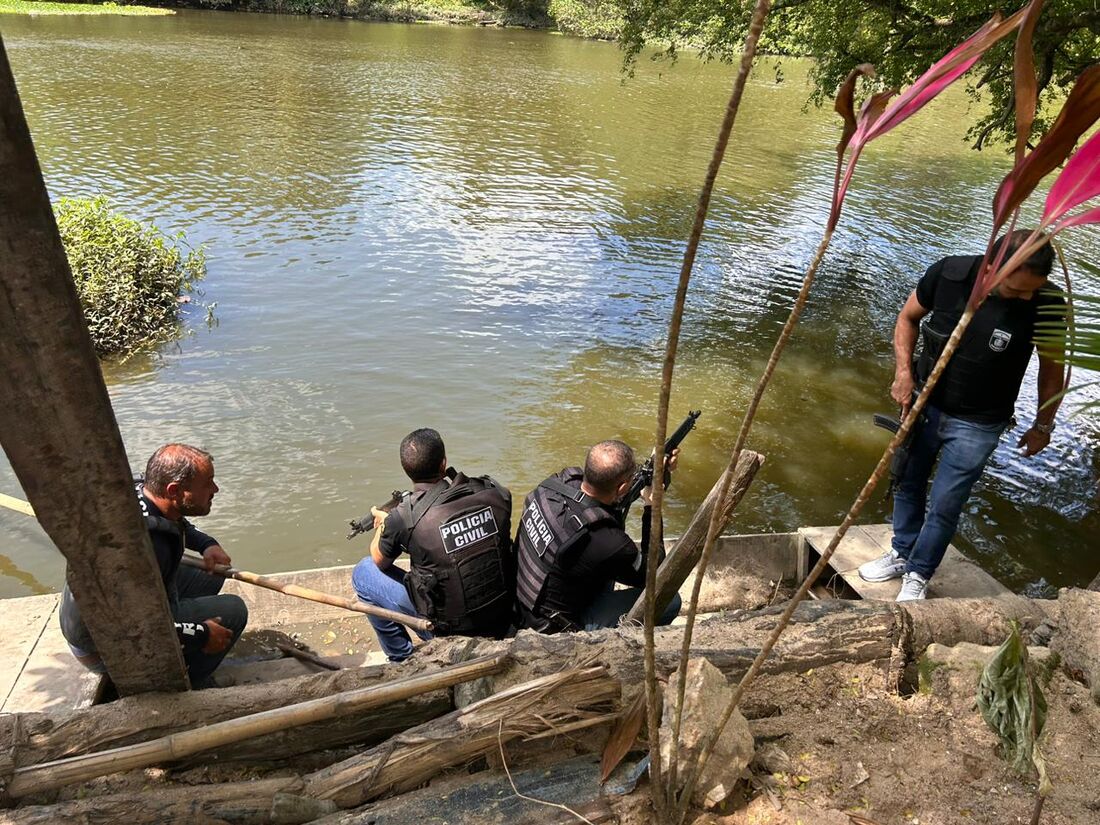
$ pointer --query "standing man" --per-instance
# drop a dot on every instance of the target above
(178, 482)
(572, 546)
(457, 532)
(973, 403)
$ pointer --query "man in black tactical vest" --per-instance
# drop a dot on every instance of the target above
(178, 482)
(973, 403)
(457, 532)
(572, 546)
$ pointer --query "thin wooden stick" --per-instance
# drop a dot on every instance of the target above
(177, 746)
(306, 656)
(415, 622)
(756, 26)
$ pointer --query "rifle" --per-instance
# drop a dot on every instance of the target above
(644, 476)
(365, 523)
(901, 454)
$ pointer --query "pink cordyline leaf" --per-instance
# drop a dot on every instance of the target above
(1078, 182)
(1080, 219)
(1023, 72)
(942, 74)
(1079, 112)
(880, 114)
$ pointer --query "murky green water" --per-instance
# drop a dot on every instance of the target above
(480, 231)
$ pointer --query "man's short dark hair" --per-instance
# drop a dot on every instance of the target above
(422, 454)
(1039, 262)
(174, 462)
(607, 465)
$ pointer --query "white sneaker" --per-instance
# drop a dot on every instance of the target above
(913, 586)
(884, 568)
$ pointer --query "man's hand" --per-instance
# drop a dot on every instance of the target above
(218, 637)
(672, 459)
(646, 495)
(214, 555)
(1033, 441)
(902, 392)
(379, 516)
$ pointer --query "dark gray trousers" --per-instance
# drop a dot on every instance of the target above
(196, 599)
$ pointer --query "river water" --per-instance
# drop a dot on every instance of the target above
(480, 231)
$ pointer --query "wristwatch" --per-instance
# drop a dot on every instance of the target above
(1045, 429)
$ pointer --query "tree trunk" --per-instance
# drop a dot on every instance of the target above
(173, 747)
(676, 568)
(242, 803)
(45, 737)
(60, 434)
(1095, 584)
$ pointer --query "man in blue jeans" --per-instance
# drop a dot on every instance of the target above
(457, 532)
(973, 402)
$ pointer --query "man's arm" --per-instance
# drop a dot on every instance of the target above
(383, 549)
(906, 330)
(207, 546)
(1051, 382)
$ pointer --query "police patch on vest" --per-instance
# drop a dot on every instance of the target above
(538, 531)
(998, 341)
(468, 529)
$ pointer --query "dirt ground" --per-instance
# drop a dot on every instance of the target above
(837, 741)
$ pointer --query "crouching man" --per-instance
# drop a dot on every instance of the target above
(178, 482)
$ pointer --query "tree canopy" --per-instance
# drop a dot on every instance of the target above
(901, 38)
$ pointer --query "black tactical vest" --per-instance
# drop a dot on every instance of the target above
(556, 521)
(461, 570)
(982, 380)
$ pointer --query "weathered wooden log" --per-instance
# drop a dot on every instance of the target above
(43, 737)
(1095, 585)
(242, 803)
(59, 431)
(682, 559)
(176, 746)
(554, 703)
(308, 593)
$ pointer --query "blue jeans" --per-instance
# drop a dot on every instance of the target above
(386, 588)
(925, 522)
(611, 605)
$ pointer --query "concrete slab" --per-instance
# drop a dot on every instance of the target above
(50, 678)
(22, 625)
(957, 576)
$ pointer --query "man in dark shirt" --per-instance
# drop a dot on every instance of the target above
(972, 404)
(457, 532)
(178, 482)
(572, 546)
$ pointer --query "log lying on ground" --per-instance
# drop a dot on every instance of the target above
(684, 557)
(564, 701)
(42, 737)
(63, 772)
(821, 633)
(259, 802)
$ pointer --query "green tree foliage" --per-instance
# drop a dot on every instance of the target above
(900, 37)
(129, 275)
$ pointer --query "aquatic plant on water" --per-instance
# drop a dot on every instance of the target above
(129, 275)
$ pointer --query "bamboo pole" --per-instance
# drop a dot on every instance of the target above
(415, 622)
(177, 746)
(16, 504)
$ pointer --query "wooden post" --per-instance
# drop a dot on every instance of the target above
(59, 431)
(675, 569)
(1095, 584)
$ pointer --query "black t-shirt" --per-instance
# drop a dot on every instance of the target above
(607, 555)
(395, 533)
(982, 381)
(167, 549)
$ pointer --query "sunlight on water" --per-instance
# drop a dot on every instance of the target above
(480, 231)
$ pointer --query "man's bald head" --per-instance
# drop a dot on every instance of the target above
(607, 466)
(175, 462)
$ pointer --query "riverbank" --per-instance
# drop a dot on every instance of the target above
(584, 18)
(33, 7)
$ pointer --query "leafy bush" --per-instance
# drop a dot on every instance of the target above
(588, 18)
(129, 275)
